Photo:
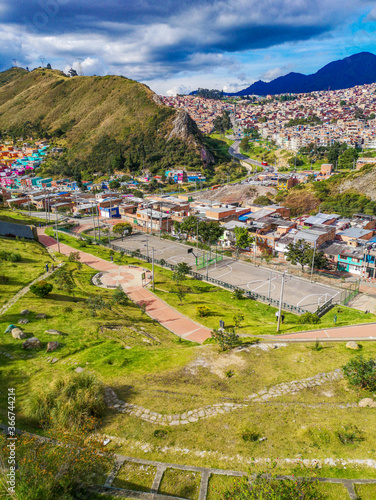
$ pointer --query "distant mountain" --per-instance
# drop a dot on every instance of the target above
(357, 69)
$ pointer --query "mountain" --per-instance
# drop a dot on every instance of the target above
(357, 69)
(103, 121)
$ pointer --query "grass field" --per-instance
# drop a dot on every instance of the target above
(33, 260)
(147, 365)
(17, 217)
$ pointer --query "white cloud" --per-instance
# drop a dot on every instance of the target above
(179, 89)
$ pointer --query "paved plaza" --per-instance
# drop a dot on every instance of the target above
(298, 292)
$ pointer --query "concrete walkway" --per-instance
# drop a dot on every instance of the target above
(129, 277)
(341, 333)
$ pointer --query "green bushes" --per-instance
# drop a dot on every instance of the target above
(309, 317)
(41, 289)
(203, 311)
(361, 372)
(69, 402)
(225, 339)
(10, 256)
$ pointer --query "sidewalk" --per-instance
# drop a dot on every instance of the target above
(130, 280)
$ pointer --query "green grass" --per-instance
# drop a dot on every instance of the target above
(181, 483)
(169, 376)
(366, 491)
(218, 484)
(135, 477)
(20, 274)
(17, 217)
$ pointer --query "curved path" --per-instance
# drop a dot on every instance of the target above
(129, 277)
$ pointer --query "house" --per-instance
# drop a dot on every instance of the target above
(228, 238)
(351, 260)
(109, 212)
(354, 233)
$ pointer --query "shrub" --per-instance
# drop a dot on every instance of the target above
(250, 436)
(10, 256)
(350, 434)
(68, 402)
(309, 317)
(41, 289)
(82, 243)
(361, 372)
(203, 311)
(227, 253)
(4, 279)
(120, 297)
(162, 262)
(225, 339)
(238, 294)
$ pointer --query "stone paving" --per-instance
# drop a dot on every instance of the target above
(194, 415)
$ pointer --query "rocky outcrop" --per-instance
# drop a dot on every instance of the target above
(52, 346)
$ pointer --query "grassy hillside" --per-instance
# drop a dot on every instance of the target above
(104, 121)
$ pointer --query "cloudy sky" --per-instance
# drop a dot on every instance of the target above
(180, 45)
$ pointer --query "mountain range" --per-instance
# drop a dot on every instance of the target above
(357, 69)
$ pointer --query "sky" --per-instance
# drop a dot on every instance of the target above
(178, 46)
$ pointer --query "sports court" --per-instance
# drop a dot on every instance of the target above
(298, 292)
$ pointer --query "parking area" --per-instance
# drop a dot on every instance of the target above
(298, 292)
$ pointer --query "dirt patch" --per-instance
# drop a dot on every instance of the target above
(243, 194)
(218, 364)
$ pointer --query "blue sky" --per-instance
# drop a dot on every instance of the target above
(178, 46)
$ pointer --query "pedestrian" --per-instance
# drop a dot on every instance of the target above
(335, 319)
(276, 315)
(283, 318)
(47, 267)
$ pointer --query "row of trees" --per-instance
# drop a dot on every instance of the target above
(208, 232)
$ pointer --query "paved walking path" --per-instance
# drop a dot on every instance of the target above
(130, 278)
(341, 333)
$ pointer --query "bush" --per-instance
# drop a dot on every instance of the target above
(4, 279)
(309, 317)
(120, 297)
(250, 436)
(226, 339)
(10, 256)
(349, 434)
(227, 253)
(361, 372)
(203, 311)
(41, 289)
(238, 294)
(82, 243)
(68, 402)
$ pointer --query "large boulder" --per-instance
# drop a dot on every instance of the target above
(25, 312)
(41, 316)
(54, 332)
(352, 345)
(23, 321)
(371, 403)
(18, 334)
(32, 343)
(52, 346)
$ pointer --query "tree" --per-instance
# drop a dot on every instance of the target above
(225, 339)
(361, 372)
(75, 257)
(48, 66)
(114, 184)
(120, 227)
(244, 144)
(242, 238)
(348, 158)
(180, 272)
(41, 289)
(64, 280)
(120, 297)
(238, 319)
(210, 232)
(299, 253)
(295, 161)
(96, 303)
(181, 294)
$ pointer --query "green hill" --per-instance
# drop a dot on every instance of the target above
(104, 122)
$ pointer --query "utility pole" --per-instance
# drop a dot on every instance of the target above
(197, 237)
(270, 284)
(57, 233)
(152, 268)
(313, 260)
(93, 217)
(280, 302)
(99, 231)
